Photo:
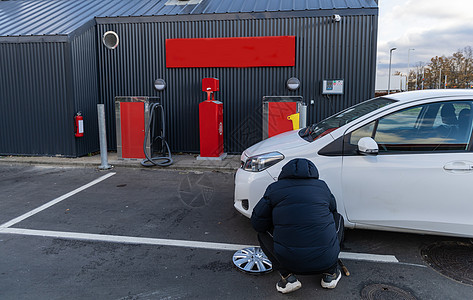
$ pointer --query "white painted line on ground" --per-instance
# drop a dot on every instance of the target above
(168, 242)
(55, 201)
(4, 228)
(412, 265)
(124, 239)
(368, 257)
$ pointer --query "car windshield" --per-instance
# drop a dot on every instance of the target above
(315, 131)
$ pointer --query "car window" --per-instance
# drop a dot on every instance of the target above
(365, 131)
(315, 131)
(431, 127)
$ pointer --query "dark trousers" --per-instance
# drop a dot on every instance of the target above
(267, 245)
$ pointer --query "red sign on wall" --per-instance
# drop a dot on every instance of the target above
(238, 52)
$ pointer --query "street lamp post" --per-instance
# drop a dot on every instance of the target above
(417, 71)
(408, 67)
(389, 75)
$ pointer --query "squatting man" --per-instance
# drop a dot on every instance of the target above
(298, 226)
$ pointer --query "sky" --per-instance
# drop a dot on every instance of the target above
(431, 27)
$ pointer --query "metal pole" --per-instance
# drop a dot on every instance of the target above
(103, 138)
(389, 75)
(423, 74)
(417, 71)
(303, 116)
(408, 67)
(440, 78)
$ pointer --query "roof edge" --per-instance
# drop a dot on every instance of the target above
(239, 16)
(58, 38)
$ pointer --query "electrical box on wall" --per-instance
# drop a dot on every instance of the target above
(332, 87)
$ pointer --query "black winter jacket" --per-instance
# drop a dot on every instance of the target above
(300, 208)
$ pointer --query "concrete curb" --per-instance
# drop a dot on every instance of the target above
(181, 162)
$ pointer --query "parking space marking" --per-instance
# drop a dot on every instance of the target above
(176, 243)
(124, 239)
(55, 201)
(5, 229)
(369, 257)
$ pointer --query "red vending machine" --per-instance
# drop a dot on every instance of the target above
(211, 123)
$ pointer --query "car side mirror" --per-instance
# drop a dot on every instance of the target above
(367, 146)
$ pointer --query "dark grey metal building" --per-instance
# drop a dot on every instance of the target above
(57, 65)
(48, 74)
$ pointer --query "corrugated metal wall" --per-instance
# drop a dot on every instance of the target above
(85, 88)
(324, 50)
(42, 86)
(34, 111)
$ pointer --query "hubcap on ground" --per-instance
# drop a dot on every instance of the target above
(252, 260)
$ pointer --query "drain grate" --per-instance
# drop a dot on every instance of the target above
(384, 291)
(452, 259)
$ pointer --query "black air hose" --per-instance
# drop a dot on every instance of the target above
(166, 160)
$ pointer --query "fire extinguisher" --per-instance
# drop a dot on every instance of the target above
(79, 125)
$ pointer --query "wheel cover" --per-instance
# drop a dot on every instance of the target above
(252, 260)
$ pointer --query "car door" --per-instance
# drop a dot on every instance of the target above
(422, 177)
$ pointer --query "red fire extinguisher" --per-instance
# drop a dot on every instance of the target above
(79, 125)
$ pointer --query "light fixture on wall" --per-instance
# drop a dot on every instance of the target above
(159, 84)
(293, 83)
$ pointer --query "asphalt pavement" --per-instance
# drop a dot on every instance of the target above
(71, 231)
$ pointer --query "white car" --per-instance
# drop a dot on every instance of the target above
(401, 162)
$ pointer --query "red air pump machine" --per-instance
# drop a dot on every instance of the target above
(211, 122)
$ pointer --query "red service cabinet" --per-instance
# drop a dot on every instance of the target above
(132, 115)
(281, 114)
(211, 128)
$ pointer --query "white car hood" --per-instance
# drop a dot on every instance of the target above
(280, 143)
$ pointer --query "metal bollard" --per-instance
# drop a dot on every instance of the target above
(103, 138)
(303, 116)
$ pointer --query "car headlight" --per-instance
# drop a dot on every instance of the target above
(261, 162)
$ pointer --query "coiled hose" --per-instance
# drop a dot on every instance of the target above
(162, 161)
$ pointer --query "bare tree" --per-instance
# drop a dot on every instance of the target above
(455, 71)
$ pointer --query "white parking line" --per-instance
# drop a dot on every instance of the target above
(4, 228)
(124, 239)
(55, 201)
(369, 257)
(177, 243)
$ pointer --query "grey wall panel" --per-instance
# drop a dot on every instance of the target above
(34, 111)
(85, 89)
(324, 50)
